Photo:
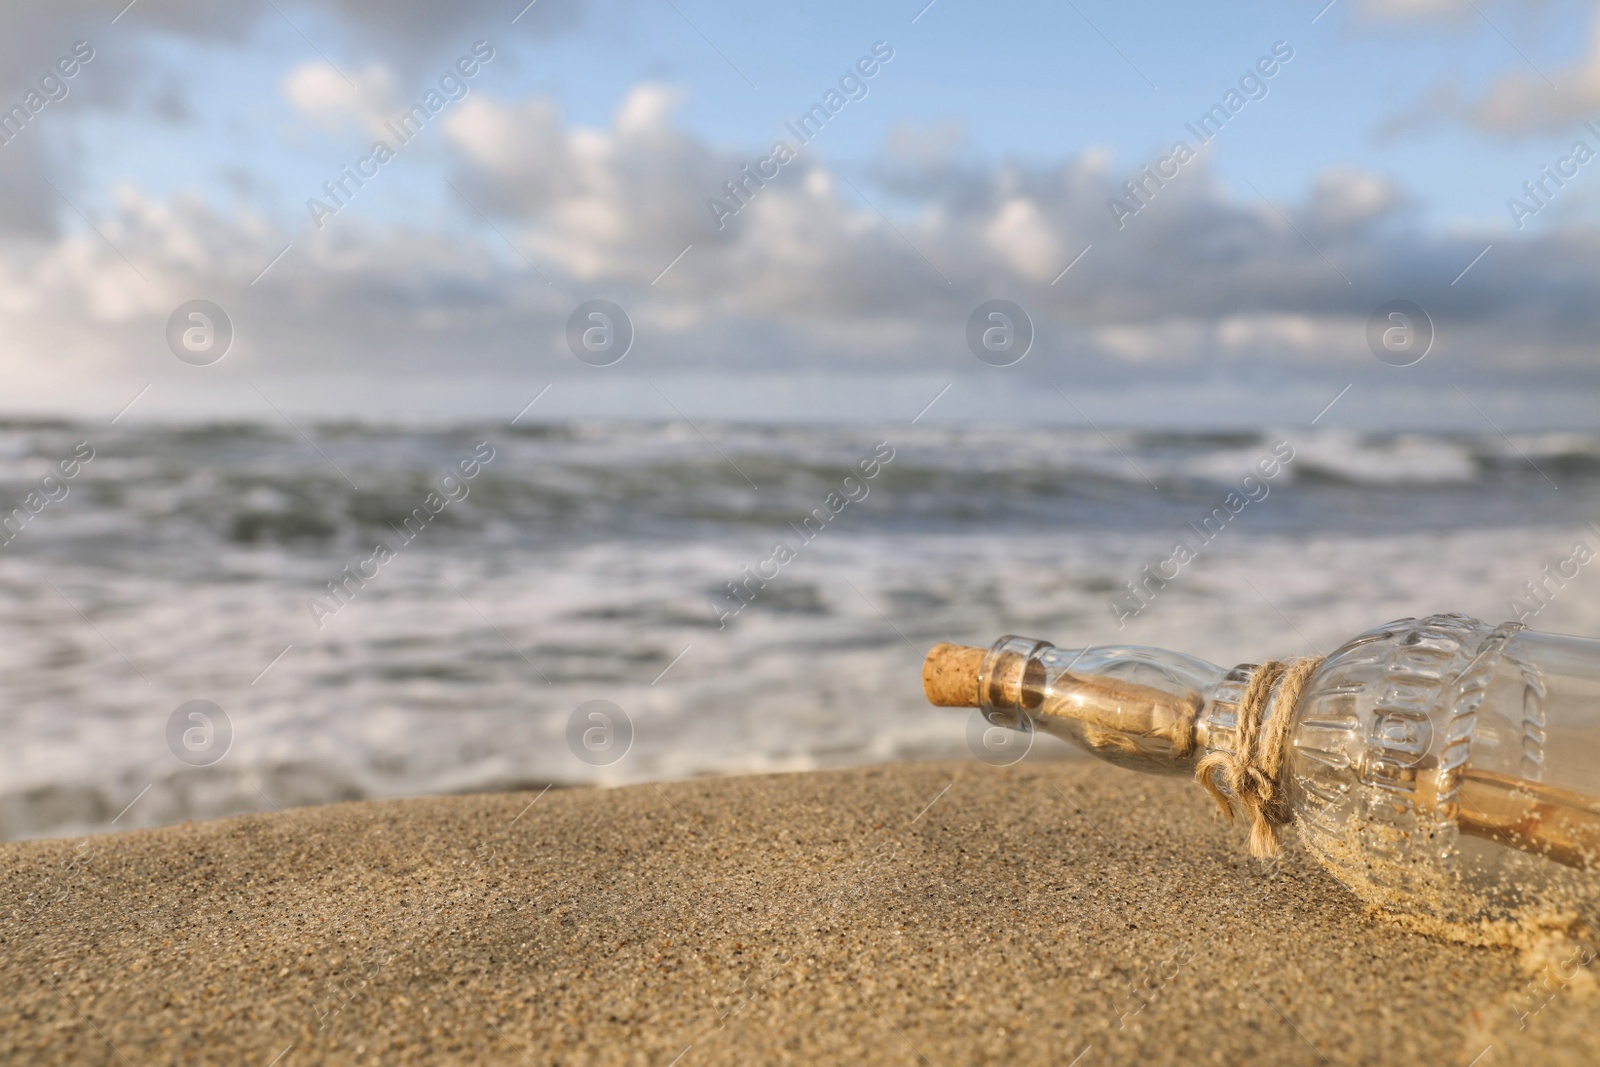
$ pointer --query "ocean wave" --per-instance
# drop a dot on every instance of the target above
(587, 561)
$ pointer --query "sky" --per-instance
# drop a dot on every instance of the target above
(1359, 154)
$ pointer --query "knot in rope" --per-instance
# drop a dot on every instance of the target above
(1253, 771)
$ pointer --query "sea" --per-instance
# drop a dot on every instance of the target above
(206, 620)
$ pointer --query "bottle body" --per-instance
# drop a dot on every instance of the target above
(1450, 768)
(1439, 767)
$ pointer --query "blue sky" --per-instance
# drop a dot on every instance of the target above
(1378, 165)
(1031, 81)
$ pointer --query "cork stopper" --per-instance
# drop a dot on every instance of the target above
(950, 675)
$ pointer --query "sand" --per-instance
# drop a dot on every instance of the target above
(1051, 913)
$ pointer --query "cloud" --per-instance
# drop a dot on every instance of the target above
(930, 146)
(872, 267)
(1206, 280)
(397, 34)
(1414, 10)
(324, 95)
(1525, 100)
(613, 205)
(1345, 199)
(397, 30)
(1020, 236)
(610, 208)
(27, 203)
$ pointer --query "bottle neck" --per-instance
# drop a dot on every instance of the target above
(1218, 730)
(1144, 708)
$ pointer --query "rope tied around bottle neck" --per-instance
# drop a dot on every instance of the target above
(1253, 771)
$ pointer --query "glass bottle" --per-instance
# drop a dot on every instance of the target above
(1439, 767)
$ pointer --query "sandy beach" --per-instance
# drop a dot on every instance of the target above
(1050, 913)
